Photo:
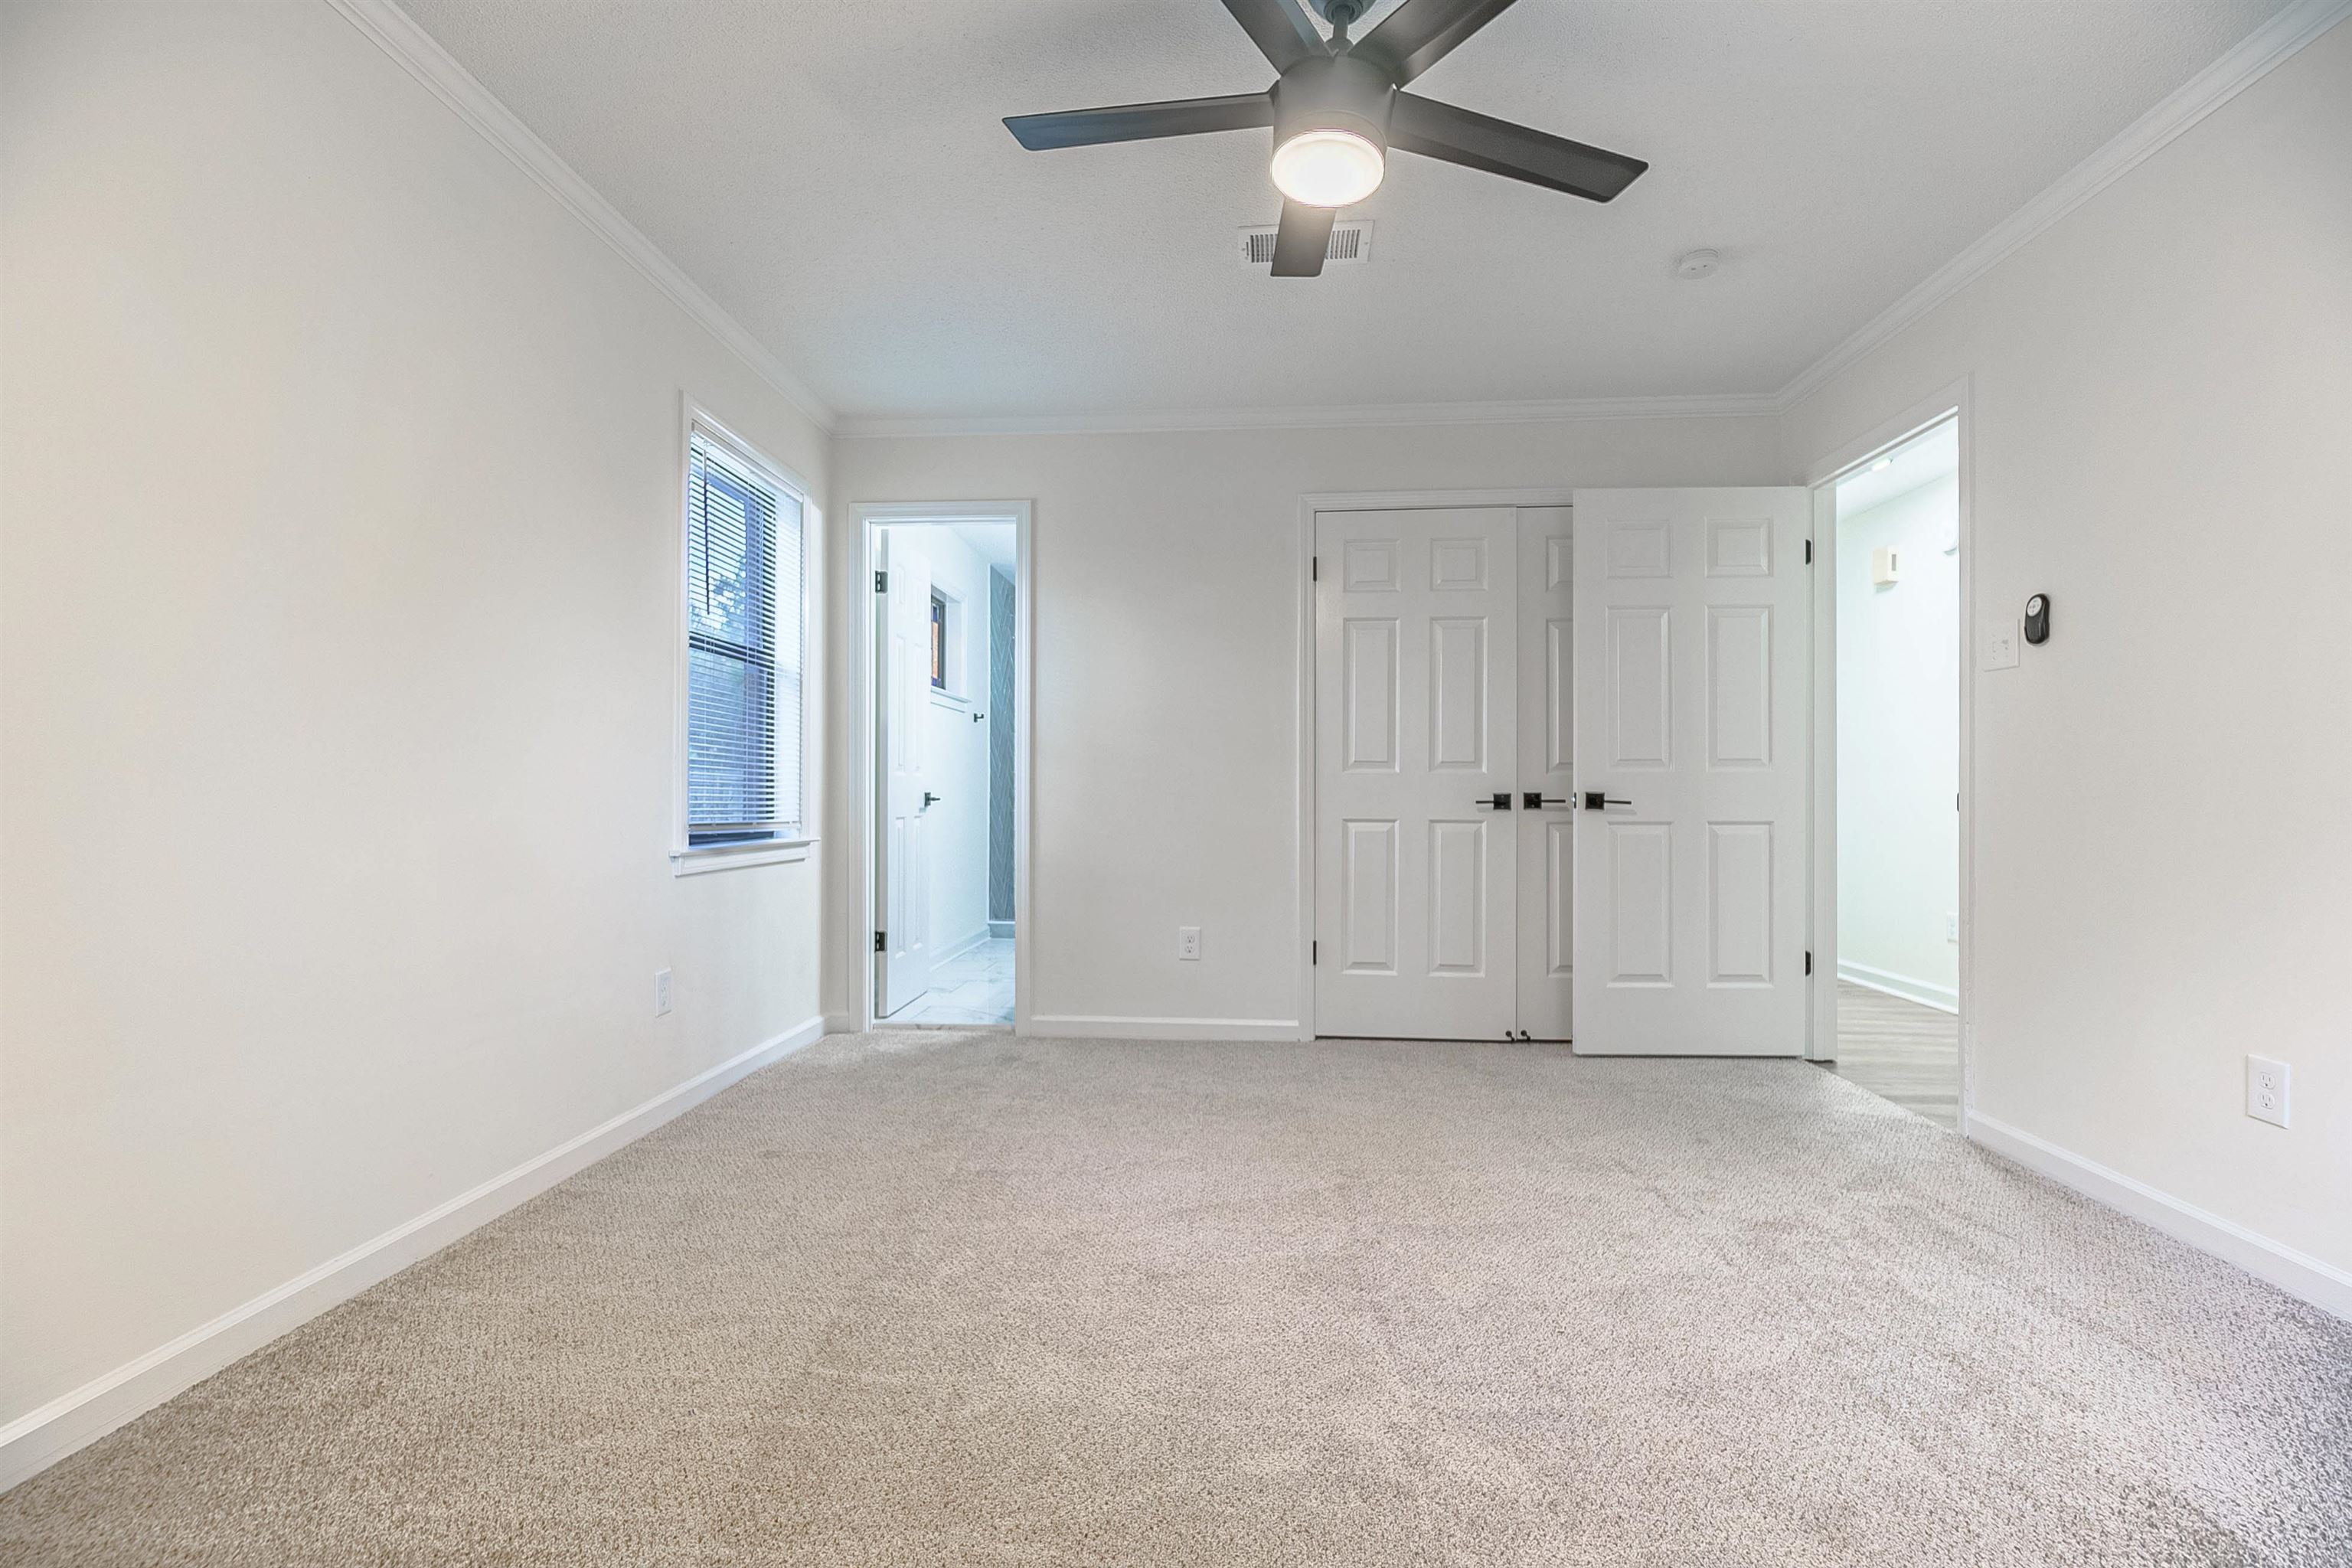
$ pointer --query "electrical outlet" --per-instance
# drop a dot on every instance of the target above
(1952, 926)
(1187, 943)
(661, 992)
(2266, 1090)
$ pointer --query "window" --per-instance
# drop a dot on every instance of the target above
(938, 641)
(744, 648)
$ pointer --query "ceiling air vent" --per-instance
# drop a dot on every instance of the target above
(1351, 242)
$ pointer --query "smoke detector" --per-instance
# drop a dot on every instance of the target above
(1698, 264)
(1351, 244)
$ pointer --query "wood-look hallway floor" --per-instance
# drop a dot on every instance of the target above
(1900, 1050)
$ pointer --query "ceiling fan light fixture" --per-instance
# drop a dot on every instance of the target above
(1329, 168)
(1338, 108)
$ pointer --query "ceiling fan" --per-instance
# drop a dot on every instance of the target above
(1338, 109)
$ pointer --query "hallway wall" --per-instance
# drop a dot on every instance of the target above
(956, 761)
(1898, 747)
(1001, 779)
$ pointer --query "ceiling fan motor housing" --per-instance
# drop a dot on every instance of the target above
(1334, 93)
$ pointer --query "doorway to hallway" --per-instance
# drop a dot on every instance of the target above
(1894, 577)
(947, 667)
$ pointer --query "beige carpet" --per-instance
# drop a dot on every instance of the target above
(950, 1297)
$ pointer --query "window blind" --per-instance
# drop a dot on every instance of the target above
(743, 649)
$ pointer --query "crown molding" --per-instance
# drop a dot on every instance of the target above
(1712, 406)
(2253, 57)
(391, 30)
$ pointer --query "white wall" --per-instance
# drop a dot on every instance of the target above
(1899, 746)
(1165, 790)
(956, 760)
(341, 497)
(2162, 441)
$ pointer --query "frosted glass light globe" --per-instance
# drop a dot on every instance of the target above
(1328, 168)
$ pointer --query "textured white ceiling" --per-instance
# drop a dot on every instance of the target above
(835, 174)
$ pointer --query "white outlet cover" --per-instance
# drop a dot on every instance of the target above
(661, 992)
(1996, 644)
(2268, 1081)
(1187, 943)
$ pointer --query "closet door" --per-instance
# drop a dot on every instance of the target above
(1546, 748)
(1692, 688)
(1417, 721)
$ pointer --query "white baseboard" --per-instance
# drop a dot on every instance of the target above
(959, 947)
(999, 928)
(1075, 1026)
(1927, 993)
(2298, 1274)
(41, 1438)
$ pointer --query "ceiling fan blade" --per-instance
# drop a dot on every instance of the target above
(1303, 240)
(1419, 33)
(1279, 29)
(1437, 130)
(1141, 121)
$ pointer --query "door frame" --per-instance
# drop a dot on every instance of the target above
(866, 733)
(1953, 402)
(1303, 736)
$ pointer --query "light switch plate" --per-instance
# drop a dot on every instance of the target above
(1996, 644)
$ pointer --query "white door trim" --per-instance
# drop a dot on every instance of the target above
(1303, 716)
(865, 734)
(1952, 402)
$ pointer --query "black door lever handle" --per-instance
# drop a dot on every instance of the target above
(1594, 800)
(1535, 800)
(931, 800)
(1498, 801)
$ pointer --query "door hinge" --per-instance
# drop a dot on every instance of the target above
(1315, 568)
(1314, 952)
(881, 582)
(1809, 553)
(1809, 960)
(881, 942)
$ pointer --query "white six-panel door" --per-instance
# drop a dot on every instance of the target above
(904, 661)
(1416, 727)
(1691, 671)
(1547, 828)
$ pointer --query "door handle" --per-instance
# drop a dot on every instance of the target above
(1535, 800)
(931, 800)
(1498, 801)
(1594, 800)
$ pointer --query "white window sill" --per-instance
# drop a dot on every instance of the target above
(730, 856)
